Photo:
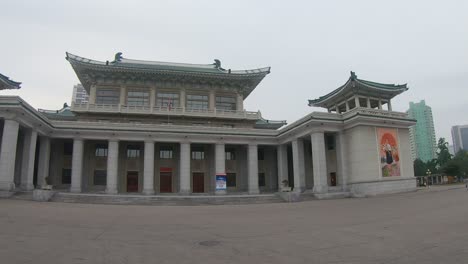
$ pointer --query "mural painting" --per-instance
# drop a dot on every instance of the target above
(389, 152)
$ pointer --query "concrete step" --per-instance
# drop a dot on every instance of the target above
(332, 195)
(22, 195)
(164, 199)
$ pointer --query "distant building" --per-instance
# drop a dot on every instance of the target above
(460, 138)
(451, 149)
(80, 96)
(422, 135)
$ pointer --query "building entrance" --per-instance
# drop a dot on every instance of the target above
(132, 181)
(165, 180)
(198, 182)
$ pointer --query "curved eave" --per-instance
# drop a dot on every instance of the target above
(81, 65)
(269, 124)
(7, 84)
(387, 91)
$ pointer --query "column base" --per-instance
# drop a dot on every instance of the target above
(223, 192)
(7, 186)
(185, 192)
(75, 190)
(300, 189)
(27, 187)
(254, 191)
(320, 189)
(148, 192)
(111, 191)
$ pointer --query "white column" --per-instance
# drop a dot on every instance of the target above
(337, 109)
(184, 168)
(123, 95)
(298, 165)
(319, 162)
(240, 102)
(252, 156)
(8, 155)
(347, 105)
(380, 104)
(356, 101)
(92, 94)
(220, 162)
(389, 105)
(152, 97)
(211, 100)
(368, 103)
(44, 161)
(282, 157)
(341, 161)
(27, 165)
(182, 99)
(148, 174)
(112, 166)
(77, 165)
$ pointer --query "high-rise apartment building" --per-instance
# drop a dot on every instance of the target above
(80, 96)
(422, 135)
(460, 138)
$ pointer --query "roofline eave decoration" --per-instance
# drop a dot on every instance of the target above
(7, 84)
(246, 79)
(353, 84)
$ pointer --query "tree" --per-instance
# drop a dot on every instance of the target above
(451, 168)
(420, 168)
(443, 154)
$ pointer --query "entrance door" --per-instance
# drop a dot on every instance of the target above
(132, 181)
(332, 179)
(165, 181)
(198, 182)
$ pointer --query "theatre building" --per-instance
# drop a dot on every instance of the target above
(157, 128)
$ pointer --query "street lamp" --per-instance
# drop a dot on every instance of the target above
(428, 173)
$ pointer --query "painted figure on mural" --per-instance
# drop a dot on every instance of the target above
(388, 151)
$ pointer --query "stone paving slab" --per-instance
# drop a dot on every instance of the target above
(429, 226)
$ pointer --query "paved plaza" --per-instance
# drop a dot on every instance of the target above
(427, 226)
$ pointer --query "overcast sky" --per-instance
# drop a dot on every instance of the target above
(310, 45)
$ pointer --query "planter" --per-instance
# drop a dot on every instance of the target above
(43, 195)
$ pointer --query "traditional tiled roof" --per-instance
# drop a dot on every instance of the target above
(269, 124)
(6, 83)
(87, 70)
(62, 114)
(361, 87)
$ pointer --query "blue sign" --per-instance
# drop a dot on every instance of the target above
(221, 182)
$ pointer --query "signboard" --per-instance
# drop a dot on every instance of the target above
(220, 182)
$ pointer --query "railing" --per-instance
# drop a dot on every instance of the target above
(436, 179)
(374, 112)
(158, 110)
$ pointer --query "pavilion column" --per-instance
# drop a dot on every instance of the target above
(44, 161)
(252, 157)
(220, 162)
(211, 100)
(8, 155)
(92, 94)
(347, 105)
(240, 102)
(337, 109)
(380, 104)
(184, 168)
(368, 103)
(341, 160)
(282, 164)
(319, 162)
(148, 173)
(182, 99)
(356, 100)
(123, 94)
(298, 165)
(389, 105)
(112, 166)
(29, 155)
(77, 165)
(152, 97)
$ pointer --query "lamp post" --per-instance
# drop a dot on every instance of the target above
(428, 173)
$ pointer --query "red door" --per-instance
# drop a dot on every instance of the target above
(165, 181)
(132, 181)
(198, 181)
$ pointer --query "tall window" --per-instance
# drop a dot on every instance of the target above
(107, 96)
(261, 154)
(66, 176)
(198, 153)
(100, 177)
(225, 103)
(133, 151)
(231, 180)
(165, 152)
(68, 148)
(261, 179)
(138, 98)
(195, 101)
(164, 99)
(230, 154)
(101, 150)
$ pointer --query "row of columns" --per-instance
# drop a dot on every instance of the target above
(358, 104)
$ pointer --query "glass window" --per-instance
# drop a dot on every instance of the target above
(68, 148)
(166, 99)
(107, 96)
(138, 98)
(231, 180)
(165, 152)
(101, 150)
(66, 176)
(225, 103)
(100, 177)
(195, 101)
(261, 154)
(133, 151)
(198, 154)
(261, 179)
(230, 154)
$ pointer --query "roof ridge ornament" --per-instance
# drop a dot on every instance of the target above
(118, 57)
(353, 76)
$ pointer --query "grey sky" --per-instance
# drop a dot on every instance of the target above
(310, 45)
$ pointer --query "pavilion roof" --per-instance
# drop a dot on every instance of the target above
(355, 86)
(269, 124)
(88, 70)
(6, 83)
